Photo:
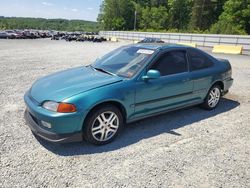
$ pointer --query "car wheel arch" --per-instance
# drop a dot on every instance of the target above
(117, 104)
(218, 82)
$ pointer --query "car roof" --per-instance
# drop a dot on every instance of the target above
(159, 46)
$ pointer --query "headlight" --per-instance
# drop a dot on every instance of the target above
(51, 105)
(59, 107)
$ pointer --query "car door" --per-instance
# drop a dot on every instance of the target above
(201, 70)
(173, 89)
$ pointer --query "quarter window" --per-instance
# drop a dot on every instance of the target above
(172, 62)
(198, 60)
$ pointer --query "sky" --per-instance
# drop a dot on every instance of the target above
(67, 9)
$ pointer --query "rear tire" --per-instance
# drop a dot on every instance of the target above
(102, 125)
(213, 98)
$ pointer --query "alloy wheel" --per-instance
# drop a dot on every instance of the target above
(105, 126)
(214, 97)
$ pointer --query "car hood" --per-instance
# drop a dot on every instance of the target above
(62, 85)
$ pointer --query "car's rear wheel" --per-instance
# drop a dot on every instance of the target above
(103, 125)
(213, 98)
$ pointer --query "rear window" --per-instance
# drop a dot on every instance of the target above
(198, 60)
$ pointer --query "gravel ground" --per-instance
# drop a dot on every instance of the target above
(185, 148)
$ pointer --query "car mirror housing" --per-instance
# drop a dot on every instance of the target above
(152, 74)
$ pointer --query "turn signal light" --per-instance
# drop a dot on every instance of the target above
(66, 108)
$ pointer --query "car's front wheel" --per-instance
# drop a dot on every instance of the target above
(213, 98)
(103, 125)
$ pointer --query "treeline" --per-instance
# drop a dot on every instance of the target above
(47, 24)
(196, 16)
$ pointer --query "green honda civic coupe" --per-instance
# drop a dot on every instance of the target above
(133, 82)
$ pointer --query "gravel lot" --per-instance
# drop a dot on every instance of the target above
(185, 148)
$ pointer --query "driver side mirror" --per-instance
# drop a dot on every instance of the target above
(151, 74)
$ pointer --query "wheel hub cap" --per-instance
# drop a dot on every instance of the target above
(214, 97)
(105, 126)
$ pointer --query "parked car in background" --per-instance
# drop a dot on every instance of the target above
(151, 40)
(54, 35)
(12, 34)
(25, 34)
(130, 83)
(3, 35)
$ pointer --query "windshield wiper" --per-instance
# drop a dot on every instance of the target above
(102, 70)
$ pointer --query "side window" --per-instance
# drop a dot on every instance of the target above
(172, 62)
(198, 60)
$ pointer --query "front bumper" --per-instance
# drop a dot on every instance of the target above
(49, 136)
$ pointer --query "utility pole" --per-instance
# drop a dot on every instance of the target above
(201, 16)
(135, 20)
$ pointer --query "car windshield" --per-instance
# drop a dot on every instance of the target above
(124, 61)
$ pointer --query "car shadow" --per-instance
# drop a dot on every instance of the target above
(147, 128)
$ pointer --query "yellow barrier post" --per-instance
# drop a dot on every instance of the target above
(227, 49)
(114, 39)
(187, 44)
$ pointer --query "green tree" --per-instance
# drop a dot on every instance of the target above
(47, 24)
(225, 16)
(158, 3)
(180, 12)
(151, 3)
(205, 13)
(235, 19)
(154, 18)
(117, 14)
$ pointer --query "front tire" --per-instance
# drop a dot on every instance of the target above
(213, 98)
(103, 125)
